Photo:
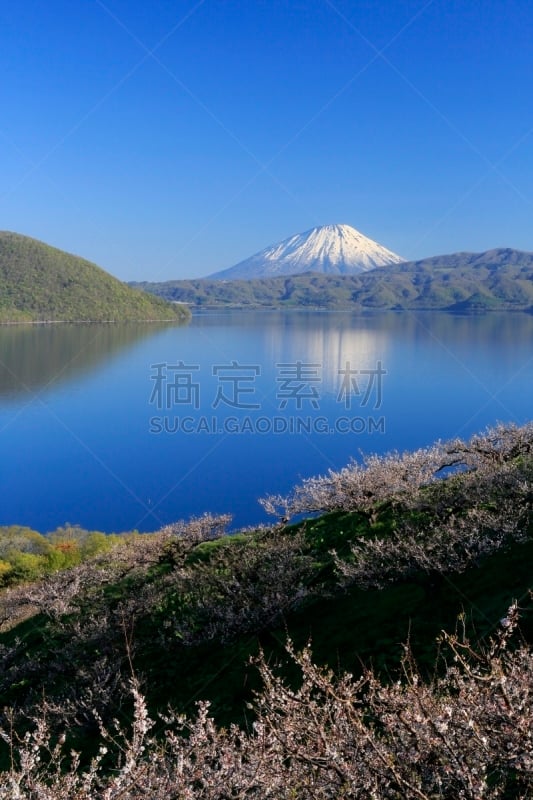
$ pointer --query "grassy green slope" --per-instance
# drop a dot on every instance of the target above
(348, 630)
(42, 283)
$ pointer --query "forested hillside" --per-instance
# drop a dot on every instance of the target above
(41, 283)
(498, 280)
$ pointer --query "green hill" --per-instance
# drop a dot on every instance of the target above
(500, 280)
(39, 283)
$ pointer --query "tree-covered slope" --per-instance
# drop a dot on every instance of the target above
(463, 282)
(41, 283)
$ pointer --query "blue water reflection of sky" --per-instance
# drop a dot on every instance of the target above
(87, 446)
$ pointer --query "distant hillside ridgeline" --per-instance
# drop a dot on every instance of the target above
(497, 280)
(39, 283)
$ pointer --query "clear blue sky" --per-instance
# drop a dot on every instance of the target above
(172, 138)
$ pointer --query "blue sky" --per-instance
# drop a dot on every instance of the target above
(172, 138)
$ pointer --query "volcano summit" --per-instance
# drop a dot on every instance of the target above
(329, 249)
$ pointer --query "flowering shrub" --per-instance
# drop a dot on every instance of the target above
(401, 478)
(467, 734)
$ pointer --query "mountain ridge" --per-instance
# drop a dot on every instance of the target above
(499, 279)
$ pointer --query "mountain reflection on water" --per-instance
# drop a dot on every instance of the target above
(36, 356)
(83, 437)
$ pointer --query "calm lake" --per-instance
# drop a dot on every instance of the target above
(131, 427)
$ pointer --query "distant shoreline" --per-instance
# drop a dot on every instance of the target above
(172, 321)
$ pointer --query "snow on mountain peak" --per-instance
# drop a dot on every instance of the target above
(332, 249)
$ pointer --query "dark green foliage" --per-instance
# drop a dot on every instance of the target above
(39, 283)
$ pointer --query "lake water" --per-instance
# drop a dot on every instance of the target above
(124, 427)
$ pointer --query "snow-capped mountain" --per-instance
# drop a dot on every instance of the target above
(331, 249)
